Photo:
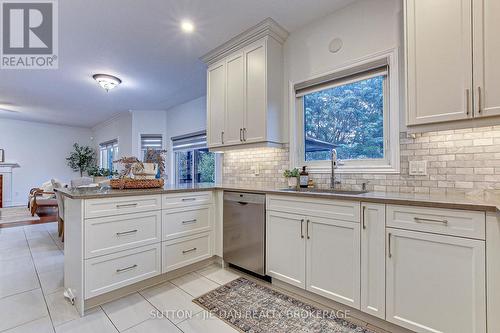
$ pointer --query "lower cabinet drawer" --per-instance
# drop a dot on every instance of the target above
(185, 251)
(185, 221)
(110, 272)
(452, 222)
(111, 234)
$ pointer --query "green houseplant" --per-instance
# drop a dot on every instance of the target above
(101, 174)
(82, 159)
(292, 176)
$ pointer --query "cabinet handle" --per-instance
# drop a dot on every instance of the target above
(389, 245)
(363, 217)
(120, 270)
(189, 221)
(190, 250)
(188, 199)
(467, 100)
(244, 134)
(307, 229)
(479, 99)
(123, 233)
(222, 137)
(241, 134)
(301, 228)
(420, 219)
(126, 205)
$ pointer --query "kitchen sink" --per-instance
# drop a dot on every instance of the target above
(319, 190)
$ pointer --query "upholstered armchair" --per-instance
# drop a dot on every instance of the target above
(41, 197)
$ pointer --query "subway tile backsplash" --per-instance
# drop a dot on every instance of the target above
(464, 160)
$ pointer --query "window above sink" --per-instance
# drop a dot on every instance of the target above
(355, 110)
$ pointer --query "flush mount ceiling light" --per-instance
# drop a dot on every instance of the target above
(107, 82)
(187, 26)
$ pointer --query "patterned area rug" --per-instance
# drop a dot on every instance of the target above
(254, 308)
(16, 214)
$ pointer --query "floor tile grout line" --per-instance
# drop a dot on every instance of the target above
(21, 292)
(102, 309)
(139, 292)
(40, 283)
(28, 322)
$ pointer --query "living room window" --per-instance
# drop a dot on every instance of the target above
(108, 152)
(349, 110)
(151, 141)
(193, 163)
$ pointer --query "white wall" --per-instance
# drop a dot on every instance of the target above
(183, 119)
(120, 128)
(147, 122)
(365, 27)
(41, 151)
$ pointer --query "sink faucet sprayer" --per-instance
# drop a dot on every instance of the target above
(334, 166)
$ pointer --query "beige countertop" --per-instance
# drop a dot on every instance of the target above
(483, 201)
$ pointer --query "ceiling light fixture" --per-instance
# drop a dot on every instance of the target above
(187, 26)
(107, 82)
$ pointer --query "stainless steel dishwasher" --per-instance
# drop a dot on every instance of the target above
(244, 231)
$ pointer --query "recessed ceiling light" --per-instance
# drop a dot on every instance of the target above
(107, 82)
(187, 26)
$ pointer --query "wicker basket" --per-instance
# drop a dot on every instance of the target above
(129, 183)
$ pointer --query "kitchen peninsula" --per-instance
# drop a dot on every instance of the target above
(120, 241)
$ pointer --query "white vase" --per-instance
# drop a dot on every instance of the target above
(292, 182)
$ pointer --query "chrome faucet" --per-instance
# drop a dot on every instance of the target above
(334, 166)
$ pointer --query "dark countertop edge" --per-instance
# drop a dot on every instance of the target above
(476, 206)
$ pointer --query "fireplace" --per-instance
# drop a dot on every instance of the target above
(6, 172)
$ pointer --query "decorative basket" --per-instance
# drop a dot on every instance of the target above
(129, 183)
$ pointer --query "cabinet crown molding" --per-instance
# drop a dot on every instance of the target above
(266, 28)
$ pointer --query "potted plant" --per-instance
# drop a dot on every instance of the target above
(292, 176)
(81, 159)
(157, 157)
(101, 174)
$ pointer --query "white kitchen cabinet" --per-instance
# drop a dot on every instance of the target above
(486, 55)
(245, 88)
(435, 283)
(235, 101)
(373, 259)
(285, 250)
(254, 126)
(333, 259)
(216, 104)
(439, 60)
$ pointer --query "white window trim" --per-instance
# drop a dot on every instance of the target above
(392, 160)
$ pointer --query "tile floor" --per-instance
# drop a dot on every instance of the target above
(31, 300)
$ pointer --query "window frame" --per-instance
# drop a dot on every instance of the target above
(146, 136)
(391, 161)
(174, 158)
(103, 149)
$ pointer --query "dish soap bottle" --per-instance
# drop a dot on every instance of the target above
(304, 178)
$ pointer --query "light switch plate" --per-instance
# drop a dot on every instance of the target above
(418, 168)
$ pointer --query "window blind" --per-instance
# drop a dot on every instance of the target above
(192, 141)
(362, 72)
(154, 141)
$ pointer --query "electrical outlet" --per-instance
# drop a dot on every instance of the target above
(418, 168)
(256, 170)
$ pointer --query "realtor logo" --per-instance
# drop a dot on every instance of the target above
(29, 34)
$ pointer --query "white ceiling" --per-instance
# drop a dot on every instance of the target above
(140, 42)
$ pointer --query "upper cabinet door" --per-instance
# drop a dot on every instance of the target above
(216, 104)
(486, 57)
(256, 96)
(235, 99)
(439, 60)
